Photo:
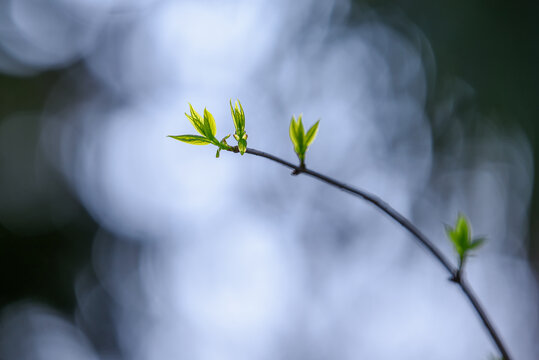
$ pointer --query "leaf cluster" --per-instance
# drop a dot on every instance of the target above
(461, 237)
(207, 129)
(239, 123)
(300, 138)
(205, 126)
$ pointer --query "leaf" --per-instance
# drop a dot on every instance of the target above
(462, 231)
(218, 152)
(458, 248)
(460, 235)
(311, 134)
(476, 243)
(209, 123)
(196, 124)
(242, 117)
(233, 115)
(292, 133)
(237, 117)
(242, 146)
(194, 113)
(455, 239)
(292, 130)
(192, 139)
(196, 121)
(300, 133)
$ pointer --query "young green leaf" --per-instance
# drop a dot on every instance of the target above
(233, 113)
(196, 121)
(191, 139)
(194, 113)
(300, 139)
(296, 135)
(242, 117)
(476, 243)
(209, 124)
(457, 238)
(311, 134)
(461, 238)
(300, 134)
(462, 230)
(292, 132)
(238, 115)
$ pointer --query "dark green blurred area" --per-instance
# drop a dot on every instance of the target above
(491, 45)
(40, 267)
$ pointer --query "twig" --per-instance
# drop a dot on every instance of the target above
(455, 273)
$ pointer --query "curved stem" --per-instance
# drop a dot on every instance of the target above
(455, 273)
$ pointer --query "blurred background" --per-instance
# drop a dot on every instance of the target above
(119, 243)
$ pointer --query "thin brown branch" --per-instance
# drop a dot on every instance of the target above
(454, 272)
